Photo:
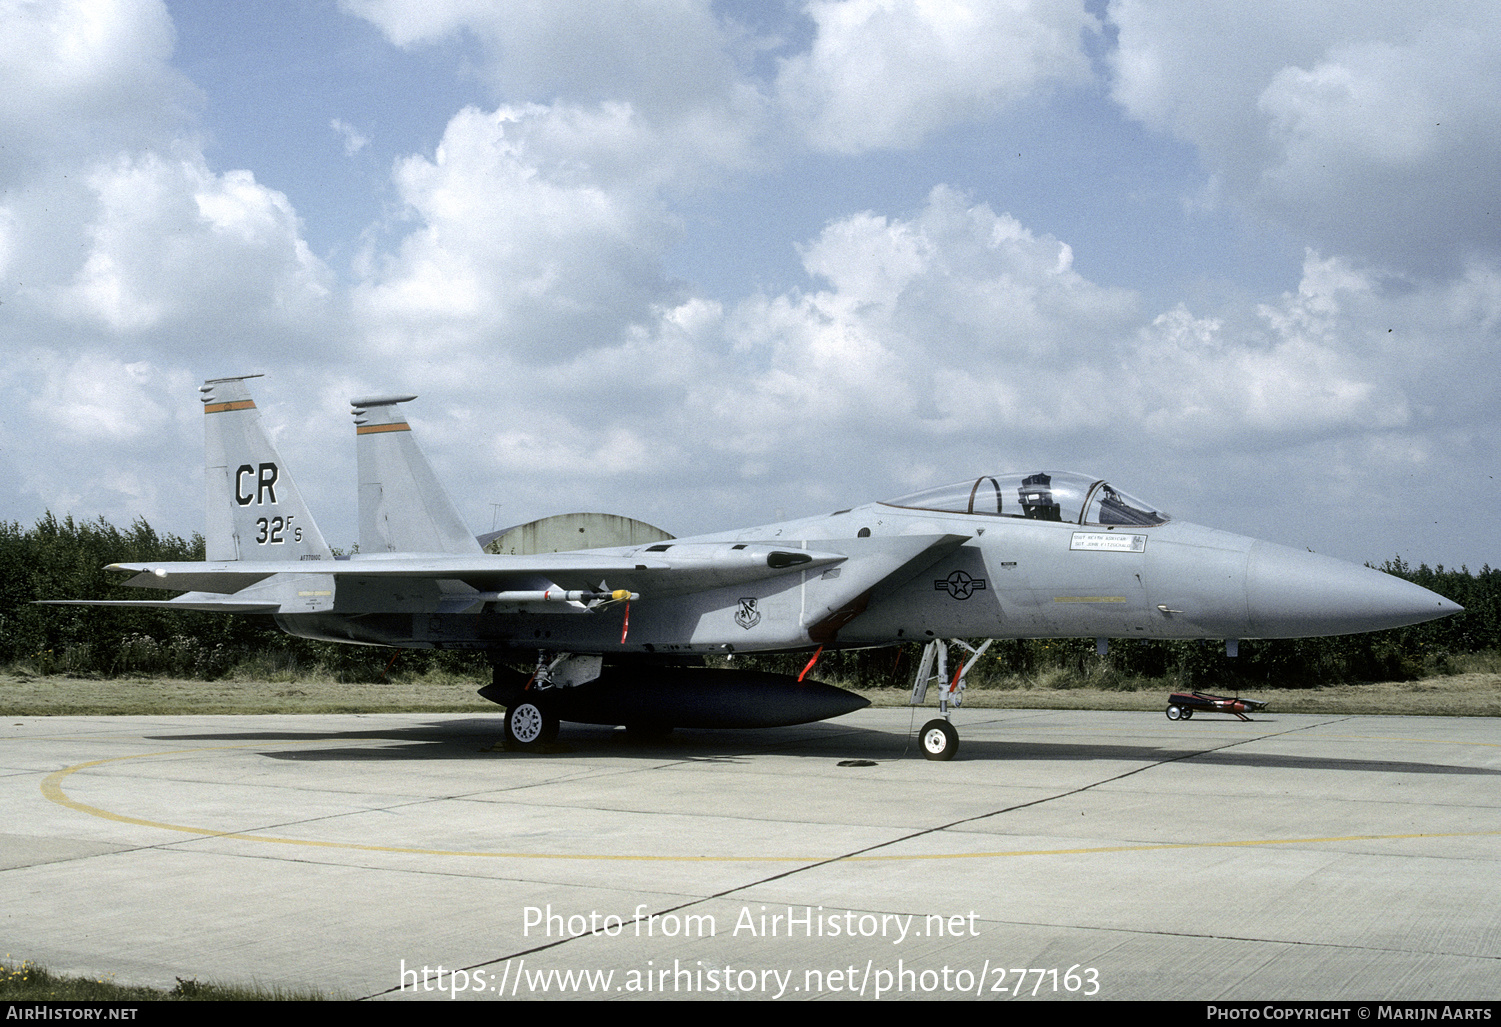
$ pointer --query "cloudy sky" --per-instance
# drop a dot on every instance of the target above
(712, 263)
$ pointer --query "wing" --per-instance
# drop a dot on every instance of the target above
(452, 583)
(292, 587)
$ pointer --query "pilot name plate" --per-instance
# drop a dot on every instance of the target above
(1108, 542)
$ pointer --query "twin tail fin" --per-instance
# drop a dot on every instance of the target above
(253, 509)
(403, 507)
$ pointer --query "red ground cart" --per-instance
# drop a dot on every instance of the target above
(1183, 705)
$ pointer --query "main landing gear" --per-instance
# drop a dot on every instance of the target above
(938, 738)
(531, 712)
(530, 725)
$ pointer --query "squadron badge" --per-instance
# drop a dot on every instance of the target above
(748, 616)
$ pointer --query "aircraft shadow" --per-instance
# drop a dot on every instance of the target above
(480, 738)
(1045, 751)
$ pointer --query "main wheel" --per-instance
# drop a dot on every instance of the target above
(1173, 713)
(529, 725)
(939, 740)
(1188, 714)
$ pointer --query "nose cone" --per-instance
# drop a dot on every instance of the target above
(1294, 594)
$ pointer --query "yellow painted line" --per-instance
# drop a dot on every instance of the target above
(374, 429)
(52, 790)
(219, 408)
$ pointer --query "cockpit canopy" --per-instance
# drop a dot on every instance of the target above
(1065, 497)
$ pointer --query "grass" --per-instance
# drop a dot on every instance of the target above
(23, 693)
(1471, 687)
(28, 982)
(1462, 695)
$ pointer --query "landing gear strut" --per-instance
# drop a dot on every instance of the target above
(938, 738)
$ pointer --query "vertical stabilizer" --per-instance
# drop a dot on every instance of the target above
(253, 508)
(403, 508)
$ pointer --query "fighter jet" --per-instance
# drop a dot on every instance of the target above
(620, 635)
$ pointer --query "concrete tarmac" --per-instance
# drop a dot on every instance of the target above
(1067, 855)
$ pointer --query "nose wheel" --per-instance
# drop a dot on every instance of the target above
(939, 740)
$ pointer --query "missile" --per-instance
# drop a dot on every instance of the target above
(558, 595)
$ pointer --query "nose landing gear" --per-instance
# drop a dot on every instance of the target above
(939, 739)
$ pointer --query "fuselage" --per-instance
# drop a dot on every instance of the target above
(913, 574)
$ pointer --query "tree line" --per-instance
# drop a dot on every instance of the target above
(65, 559)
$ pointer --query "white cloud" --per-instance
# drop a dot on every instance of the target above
(1366, 129)
(1187, 383)
(691, 113)
(84, 75)
(886, 73)
(937, 333)
(533, 236)
(173, 243)
(354, 140)
(138, 415)
(957, 341)
(519, 284)
(114, 225)
(878, 73)
(950, 342)
(662, 56)
(99, 400)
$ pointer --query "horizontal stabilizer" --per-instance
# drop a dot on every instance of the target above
(275, 593)
(199, 604)
(223, 578)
